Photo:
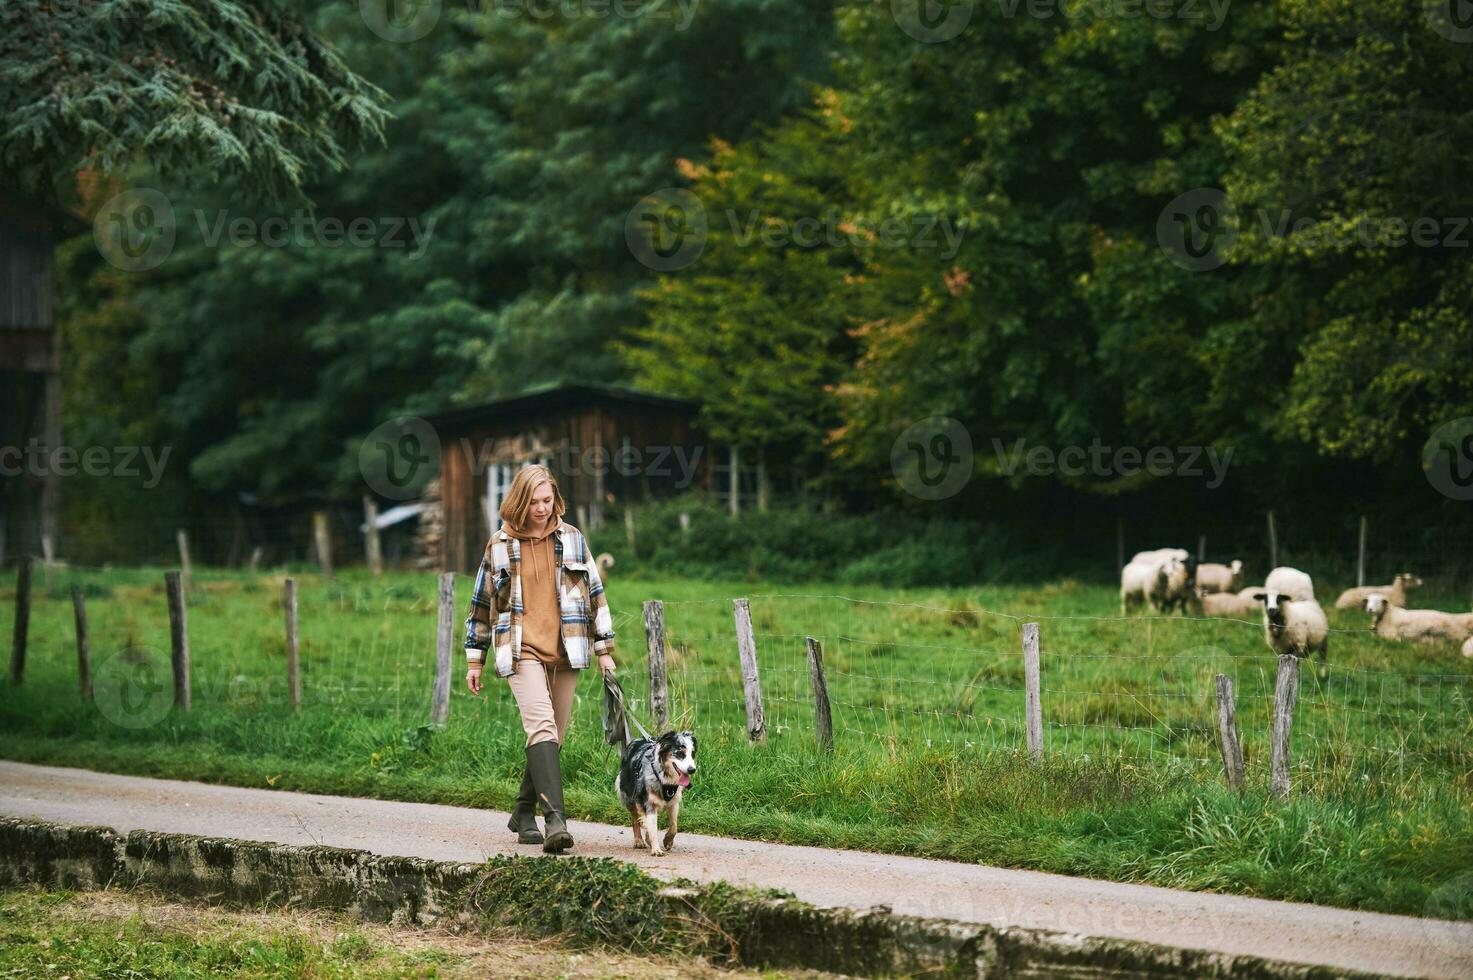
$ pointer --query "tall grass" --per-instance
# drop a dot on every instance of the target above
(927, 693)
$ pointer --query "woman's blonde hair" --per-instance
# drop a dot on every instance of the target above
(518, 499)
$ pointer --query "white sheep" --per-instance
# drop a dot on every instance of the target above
(1160, 554)
(1296, 626)
(1424, 625)
(1290, 582)
(1174, 586)
(1212, 577)
(1229, 605)
(1136, 580)
(1395, 593)
(1468, 647)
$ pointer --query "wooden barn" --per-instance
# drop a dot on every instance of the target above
(607, 445)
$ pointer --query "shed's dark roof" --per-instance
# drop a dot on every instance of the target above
(543, 398)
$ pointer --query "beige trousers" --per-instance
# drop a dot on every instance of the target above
(544, 695)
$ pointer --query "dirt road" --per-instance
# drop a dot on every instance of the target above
(1295, 932)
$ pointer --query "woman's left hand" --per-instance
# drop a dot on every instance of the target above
(605, 664)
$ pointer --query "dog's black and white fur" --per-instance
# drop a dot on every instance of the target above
(653, 776)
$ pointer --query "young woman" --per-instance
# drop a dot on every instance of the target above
(539, 606)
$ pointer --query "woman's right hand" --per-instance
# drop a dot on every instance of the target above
(473, 679)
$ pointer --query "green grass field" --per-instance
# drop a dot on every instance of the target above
(927, 692)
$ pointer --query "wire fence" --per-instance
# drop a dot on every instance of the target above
(900, 677)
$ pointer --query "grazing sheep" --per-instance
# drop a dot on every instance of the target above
(1229, 605)
(1296, 626)
(1424, 625)
(1290, 582)
(1395, 593)
(1159, 555)
(1136, 580)
(1212, 577)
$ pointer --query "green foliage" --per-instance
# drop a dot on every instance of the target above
(236, 90)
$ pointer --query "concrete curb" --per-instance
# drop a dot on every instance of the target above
(759, 929)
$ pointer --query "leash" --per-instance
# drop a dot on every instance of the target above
(613, 687)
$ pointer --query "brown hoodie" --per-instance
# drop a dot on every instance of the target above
(542, 634)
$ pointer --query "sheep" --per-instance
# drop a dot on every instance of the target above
(1136, 580)
(1426, 625)
(1468, 647)
(1175, 586)
(605, 561)
(1290, 582)
(1212, 577)
(1229, 605)
(1160, 555)
(1395, 593)
(1296, 626)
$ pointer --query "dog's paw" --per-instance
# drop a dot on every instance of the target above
(669, 841)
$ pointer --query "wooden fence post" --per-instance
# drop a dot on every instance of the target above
(293, 671)
(255, 558)
(1119, 544)
(582, 518)
(629, 528)
(685, 524)
(654, 632)
(178, 638)
(823, 720)
(1273, 542)
(322, 535)
(1286, 691)
(1201, 548)
(1227, 733)
(751, 683)
(1033, 703)
(440, 709)
(184, 562)
(22, 619)
(1360, 562)
(371, 542)
(84, 660)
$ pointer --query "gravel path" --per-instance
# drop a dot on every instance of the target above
(1393, 944)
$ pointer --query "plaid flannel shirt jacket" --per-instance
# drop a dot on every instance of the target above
(496, 602)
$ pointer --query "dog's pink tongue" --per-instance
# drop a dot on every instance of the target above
(683, 778)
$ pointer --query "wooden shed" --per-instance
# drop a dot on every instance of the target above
(607, 445)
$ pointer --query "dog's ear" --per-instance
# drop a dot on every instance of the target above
(693, 744)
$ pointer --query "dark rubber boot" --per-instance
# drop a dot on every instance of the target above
(523, 820)
(544, 762)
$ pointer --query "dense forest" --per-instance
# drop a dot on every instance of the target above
(1239, 232)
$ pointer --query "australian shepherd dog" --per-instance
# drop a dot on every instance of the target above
(653, 776)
